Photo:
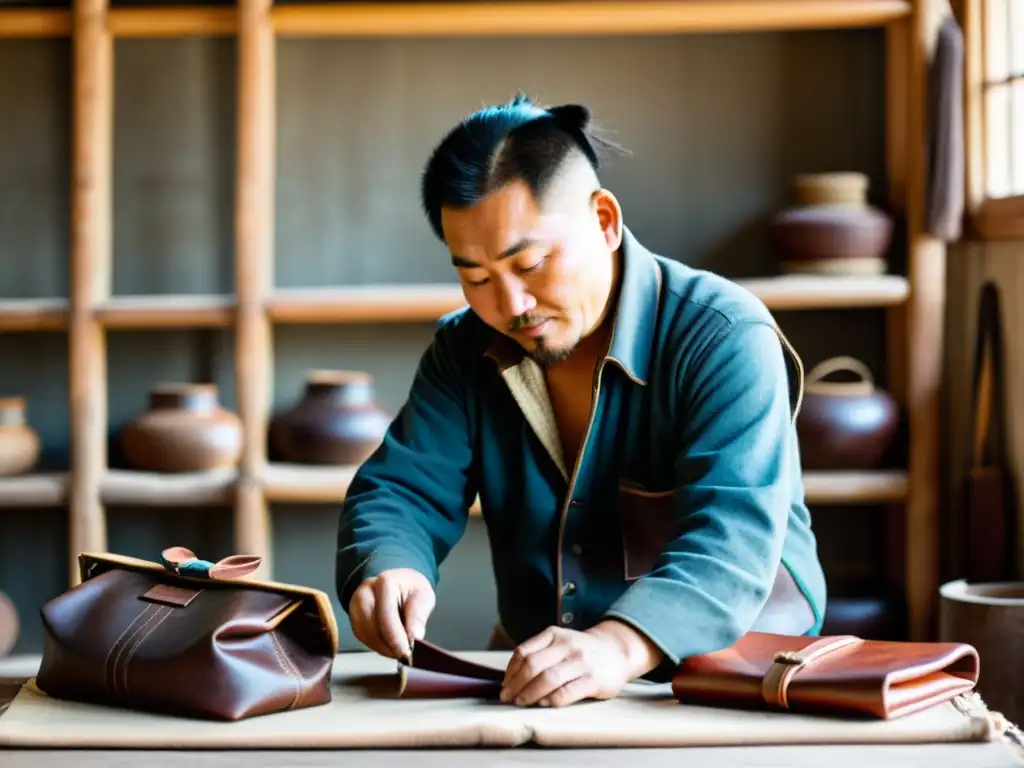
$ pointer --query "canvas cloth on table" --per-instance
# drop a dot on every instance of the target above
(366, 712)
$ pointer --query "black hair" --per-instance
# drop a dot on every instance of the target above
(498, 144)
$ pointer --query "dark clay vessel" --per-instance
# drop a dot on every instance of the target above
(336, 421)
(185, 429)
(845, 425)
(832, 229)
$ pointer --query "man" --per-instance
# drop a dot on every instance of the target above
(627, 423)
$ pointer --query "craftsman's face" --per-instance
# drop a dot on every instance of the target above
(542, 277)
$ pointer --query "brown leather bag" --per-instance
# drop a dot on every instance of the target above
(835, 675)
(187, 637)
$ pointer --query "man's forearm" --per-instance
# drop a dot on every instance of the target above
(640, 653)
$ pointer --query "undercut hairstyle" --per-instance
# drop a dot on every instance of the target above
(499, 144)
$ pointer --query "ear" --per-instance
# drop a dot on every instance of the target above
(609, 217)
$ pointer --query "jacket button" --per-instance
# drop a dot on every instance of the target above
(567, 617)
(569, 588)
(576, 549)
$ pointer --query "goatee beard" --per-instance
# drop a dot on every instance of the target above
(547, 356)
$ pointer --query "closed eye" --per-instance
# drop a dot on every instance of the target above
(534, 266)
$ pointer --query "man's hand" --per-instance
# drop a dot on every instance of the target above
(562, 666)
(389, 609)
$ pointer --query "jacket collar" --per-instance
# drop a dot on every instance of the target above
(634, 308)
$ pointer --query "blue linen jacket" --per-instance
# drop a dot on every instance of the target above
(687, 498)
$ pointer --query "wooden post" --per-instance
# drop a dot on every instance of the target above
(90, 272)
(897, 83)
(925, 327)
(254, 228)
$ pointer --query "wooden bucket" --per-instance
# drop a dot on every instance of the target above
(990, 616)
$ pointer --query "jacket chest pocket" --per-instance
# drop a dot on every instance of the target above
(649, 522)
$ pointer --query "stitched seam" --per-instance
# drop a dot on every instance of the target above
(130, 638)
(140, 641)
(287, 666)
(109, 673)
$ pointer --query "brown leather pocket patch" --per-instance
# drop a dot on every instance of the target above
(648, 520)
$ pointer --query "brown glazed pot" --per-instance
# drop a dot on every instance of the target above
(831, 229)
(185, 429)
(19, 443)
(336, 421)
(845, 425)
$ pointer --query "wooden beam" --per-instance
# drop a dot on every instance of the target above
(254, 233)
(925, 324)
(171, 311)
(35, 23)
(173, 22)
(33, 314)
(661, 17)
(155, 489)
(92, 143)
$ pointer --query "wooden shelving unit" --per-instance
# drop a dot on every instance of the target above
(914, 302)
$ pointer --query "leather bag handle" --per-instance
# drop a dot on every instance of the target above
(184, 561)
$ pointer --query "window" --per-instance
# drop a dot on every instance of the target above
(994, 73)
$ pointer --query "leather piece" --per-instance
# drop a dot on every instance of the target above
(437, 673)
(843, 676)
(865, 678)
(235, 649)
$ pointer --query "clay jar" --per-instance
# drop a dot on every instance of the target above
(9, 625)
(831, 229)
(845, 425)
(185, 429)
(336, 421)
(19, 443)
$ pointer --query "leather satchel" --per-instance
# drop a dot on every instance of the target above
(187, 637)
(839, 675)
(832, 675)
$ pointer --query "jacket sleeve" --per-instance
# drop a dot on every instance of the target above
(737, 473)
(408, 504)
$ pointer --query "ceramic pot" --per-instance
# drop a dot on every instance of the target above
(185, 429)
(989, 616)
(845, 425)
(336, 421)
(9, 625)
(19, 443)
(831, 229)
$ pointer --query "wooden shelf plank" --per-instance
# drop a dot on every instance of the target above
(173, 22)
(324, 484)
(630, 17)
(33, 314)
(166, 311)
(848, 488)
(153, 489)
(308, 484)
(34, 22)
(826, 292)
(477, 19)
(365, 304)
(425, 303)
(43, 489)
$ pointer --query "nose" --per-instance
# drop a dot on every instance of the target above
(513, 298)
